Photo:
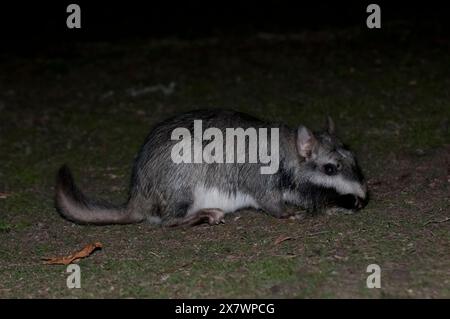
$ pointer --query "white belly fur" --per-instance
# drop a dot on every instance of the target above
(213, 198)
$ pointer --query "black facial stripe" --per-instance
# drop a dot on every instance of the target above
(317, 196)
(320, 196)
(358, 172)
(287, 180)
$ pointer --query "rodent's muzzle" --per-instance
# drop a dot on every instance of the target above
(360, 203)
(352, 202)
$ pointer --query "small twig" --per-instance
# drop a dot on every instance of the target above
(155, 254)
(281, 239)
(286, 256)
(437, 221)
(318, 233)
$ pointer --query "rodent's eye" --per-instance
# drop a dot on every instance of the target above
(330, 169)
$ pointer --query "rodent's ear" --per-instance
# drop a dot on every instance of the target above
(305, 141)
(330, 127)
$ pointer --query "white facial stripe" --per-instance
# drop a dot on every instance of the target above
(213, 198)
(341, 185)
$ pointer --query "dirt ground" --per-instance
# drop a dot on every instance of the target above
(90, 105)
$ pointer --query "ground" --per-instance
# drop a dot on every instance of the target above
(389, 96)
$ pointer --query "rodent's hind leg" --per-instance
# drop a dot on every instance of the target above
(212, 216)
(276, 208)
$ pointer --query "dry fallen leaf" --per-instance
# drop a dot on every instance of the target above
(281, 239)
(66, 260)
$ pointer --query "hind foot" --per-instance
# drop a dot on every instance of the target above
(212, 216)
(215, 216)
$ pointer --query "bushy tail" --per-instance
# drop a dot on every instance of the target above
(72, 204)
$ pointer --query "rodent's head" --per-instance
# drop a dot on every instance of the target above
(329, 164)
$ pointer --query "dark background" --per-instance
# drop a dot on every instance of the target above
(32, 25)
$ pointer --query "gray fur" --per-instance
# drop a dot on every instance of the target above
(163, 191)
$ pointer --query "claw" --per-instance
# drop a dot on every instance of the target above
(215, 217)
(210, 216)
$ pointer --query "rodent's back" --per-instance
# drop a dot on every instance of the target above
(155, 172)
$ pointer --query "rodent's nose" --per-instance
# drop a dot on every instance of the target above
(360, 202)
